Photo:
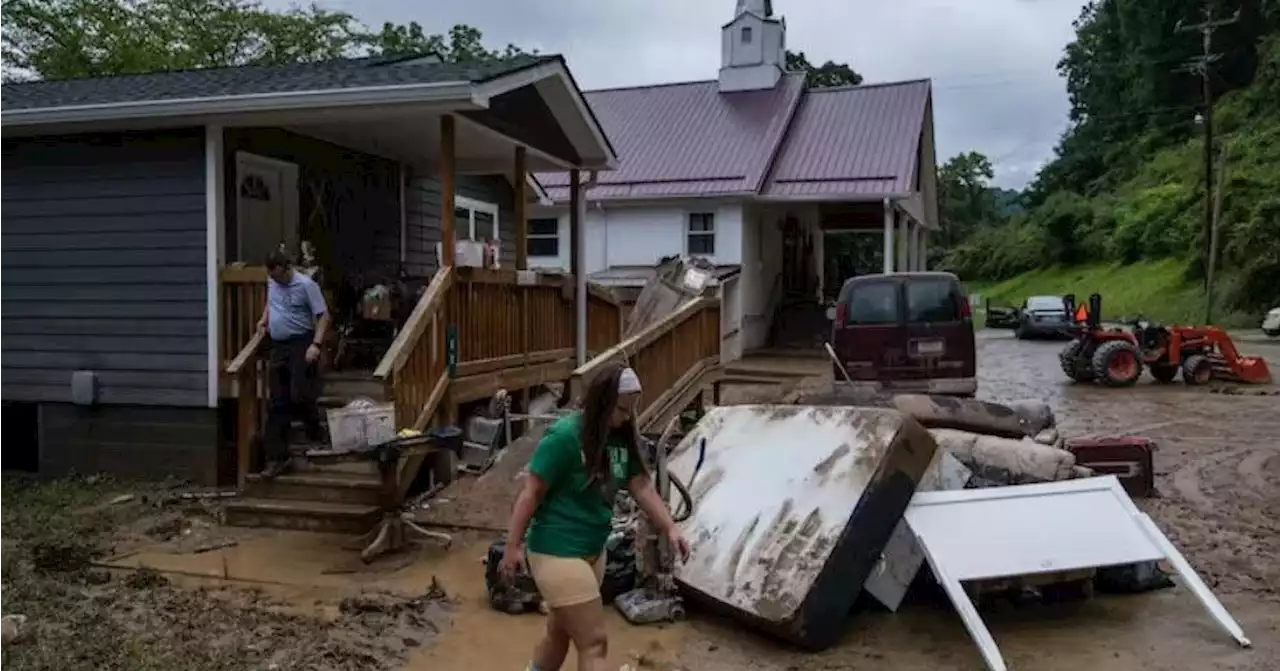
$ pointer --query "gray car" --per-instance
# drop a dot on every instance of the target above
(1042, 317)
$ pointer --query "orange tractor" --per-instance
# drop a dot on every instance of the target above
(1115, 357)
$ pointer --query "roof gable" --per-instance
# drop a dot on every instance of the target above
(688, 139)
(853, 141)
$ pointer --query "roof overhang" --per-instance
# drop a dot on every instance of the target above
(550, 77)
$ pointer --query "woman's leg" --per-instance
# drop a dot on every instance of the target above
(584, 623)
(553, 648)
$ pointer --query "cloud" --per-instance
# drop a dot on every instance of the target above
(992, 61)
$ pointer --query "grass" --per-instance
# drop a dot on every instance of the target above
(1153, 289)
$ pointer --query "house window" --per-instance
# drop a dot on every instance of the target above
(702, 233)
(544, 237)
(746, 34)
(475, 219)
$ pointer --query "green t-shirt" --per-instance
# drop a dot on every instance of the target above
(573, 519)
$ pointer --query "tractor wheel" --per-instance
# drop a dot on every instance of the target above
(1163, 372)
(1074, 364)
(1117, 363)
(1197, 369)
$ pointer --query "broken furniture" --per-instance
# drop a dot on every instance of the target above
(792, 506)
(1126, 457)
(1000, 532)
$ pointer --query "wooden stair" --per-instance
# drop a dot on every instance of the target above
(341, 498)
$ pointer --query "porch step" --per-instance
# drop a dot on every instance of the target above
(301, 515)
(324, 486)
(353, 384)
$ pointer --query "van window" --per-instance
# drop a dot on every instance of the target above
(872, 303)
(932, 300)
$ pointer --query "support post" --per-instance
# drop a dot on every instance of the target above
(521, 184)
(448, 167)
(904, 243)
(577, 213)
(924, 249)
(915, 248)
(888, 236)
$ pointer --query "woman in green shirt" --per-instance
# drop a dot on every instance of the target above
(564, 514)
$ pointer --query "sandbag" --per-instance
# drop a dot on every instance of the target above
(1048, 437)
(997, 461)
(1036, 416)
(949, 412)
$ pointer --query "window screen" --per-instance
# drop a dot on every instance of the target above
(872, 303)
(932, 301)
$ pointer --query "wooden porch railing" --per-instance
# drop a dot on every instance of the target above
(415, 368)
(242, 297)
(670, 357)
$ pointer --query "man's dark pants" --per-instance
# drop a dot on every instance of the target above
(295, 387)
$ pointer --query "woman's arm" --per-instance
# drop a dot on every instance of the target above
(646, 495)
(526, 505)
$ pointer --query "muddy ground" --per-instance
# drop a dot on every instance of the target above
(1218, 474)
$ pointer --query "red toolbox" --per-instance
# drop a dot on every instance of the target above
(1126, 457)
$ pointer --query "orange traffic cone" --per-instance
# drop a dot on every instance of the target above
(1082, 313)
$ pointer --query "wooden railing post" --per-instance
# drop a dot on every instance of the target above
(448, 184)
(521, 189)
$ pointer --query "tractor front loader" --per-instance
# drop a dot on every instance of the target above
(1115, 357)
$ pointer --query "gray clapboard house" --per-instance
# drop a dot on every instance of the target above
(127, 199)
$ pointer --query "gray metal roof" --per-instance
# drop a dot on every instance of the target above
(690, 140)
(853, 141)
(255, 79)
(687, 139)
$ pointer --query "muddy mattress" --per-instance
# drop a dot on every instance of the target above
(792, 507)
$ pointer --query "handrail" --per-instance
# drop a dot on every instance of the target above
(629, 347)
(246, 353)
(433, 299)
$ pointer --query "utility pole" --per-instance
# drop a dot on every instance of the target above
(1201, 65)
(1213, 236)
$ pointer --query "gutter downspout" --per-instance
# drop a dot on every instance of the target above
(580, 291)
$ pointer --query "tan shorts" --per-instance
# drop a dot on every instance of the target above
(566, 581)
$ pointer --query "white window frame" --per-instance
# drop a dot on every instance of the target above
(472, 206)
(689, 232)
(530, 236)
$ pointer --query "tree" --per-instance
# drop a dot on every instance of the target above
(966, 200)
(462, 44)
(62, 39)
(827, 75)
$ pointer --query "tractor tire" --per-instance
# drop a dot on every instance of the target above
(1117, 363)
(1163, 372)
(1074, 364)
(1197, 369)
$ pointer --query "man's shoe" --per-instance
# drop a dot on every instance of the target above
(275, 468)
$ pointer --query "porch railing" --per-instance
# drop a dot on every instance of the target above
(242, 297)
(670, 356)
(415, 368)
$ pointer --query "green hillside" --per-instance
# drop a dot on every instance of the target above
(1121, 207)
(1154, 289)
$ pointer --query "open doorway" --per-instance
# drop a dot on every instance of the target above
(266, 206)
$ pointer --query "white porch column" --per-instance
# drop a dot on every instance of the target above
(888, 236)
(904, 243)
(924, 249)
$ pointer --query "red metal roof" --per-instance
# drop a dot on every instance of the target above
(690, 140)
(853, 141)
(687, 139)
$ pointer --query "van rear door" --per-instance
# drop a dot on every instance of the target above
(868, 329)
(939, 329)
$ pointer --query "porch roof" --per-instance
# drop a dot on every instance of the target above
(495, 95)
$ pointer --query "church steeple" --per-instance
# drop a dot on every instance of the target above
(753, 48)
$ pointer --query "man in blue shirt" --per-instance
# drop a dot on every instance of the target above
(296, 320)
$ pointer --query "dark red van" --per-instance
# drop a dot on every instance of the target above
(906, 332)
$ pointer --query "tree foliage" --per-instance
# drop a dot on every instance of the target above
(823, 76)
(62, 39)
(1126, 181)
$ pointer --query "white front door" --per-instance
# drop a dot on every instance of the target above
(266, 207)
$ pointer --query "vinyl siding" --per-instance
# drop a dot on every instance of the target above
(104, 267)
(422, 228)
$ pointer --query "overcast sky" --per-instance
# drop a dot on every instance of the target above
(996, 89)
